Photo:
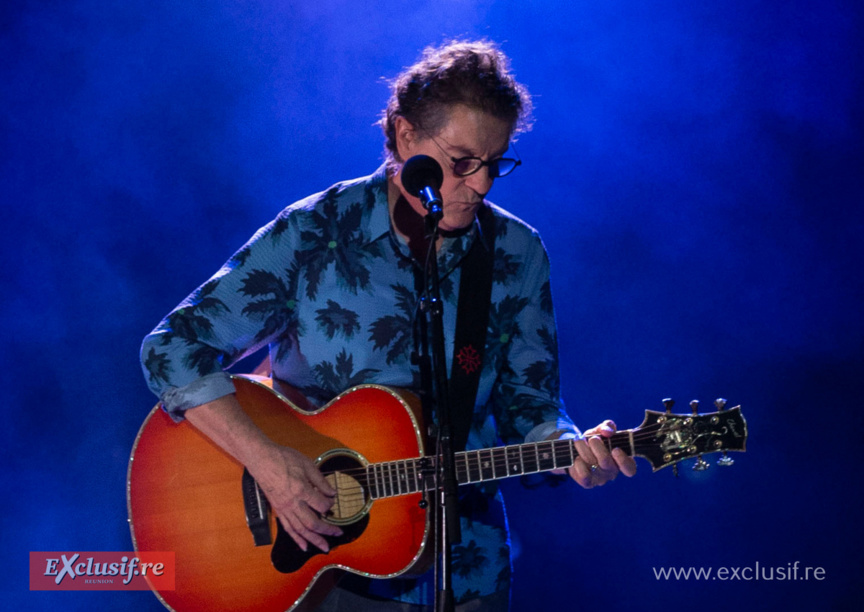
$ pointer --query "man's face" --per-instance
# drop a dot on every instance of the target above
(467, 133)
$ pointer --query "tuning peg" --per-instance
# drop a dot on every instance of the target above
(725, 460)
(668, 403)
(701, 465)
(694, 406)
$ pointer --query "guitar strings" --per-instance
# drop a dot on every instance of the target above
(499, 456)
(383, 479)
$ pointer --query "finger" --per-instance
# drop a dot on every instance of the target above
(605, 429)
(581, 473)
(601, 454)
(625, 462)
(584, 452)
(315, 524)
(308, 534)
(286, 525)
(318, 480)
(316, 500)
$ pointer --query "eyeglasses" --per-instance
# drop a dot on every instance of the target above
(466, 166)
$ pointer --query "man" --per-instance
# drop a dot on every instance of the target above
(330, 285)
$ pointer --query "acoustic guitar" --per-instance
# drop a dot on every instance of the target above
(187, 495)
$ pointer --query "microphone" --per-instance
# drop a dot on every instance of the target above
(422, 177)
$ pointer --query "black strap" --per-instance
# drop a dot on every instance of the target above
(472, 321)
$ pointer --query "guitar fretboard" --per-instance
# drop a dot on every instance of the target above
(392, 478)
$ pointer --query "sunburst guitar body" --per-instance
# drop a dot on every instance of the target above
(188, 496)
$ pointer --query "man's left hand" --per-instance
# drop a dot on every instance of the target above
(595, 465)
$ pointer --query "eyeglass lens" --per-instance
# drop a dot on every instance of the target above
(497, 167)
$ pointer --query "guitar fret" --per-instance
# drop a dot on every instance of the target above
(384, 491)
(421, 476)
(529, 463)
(510, 457)
(409, 476)
(496, 457)
(561, 461)
(545, 458)
(429, 479)
(557, 460)
(398, 485)
(376, 475)
(466, 460)
(376, 468)
(478, 474)
(487, 469)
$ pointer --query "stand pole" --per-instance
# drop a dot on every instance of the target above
(447, 516)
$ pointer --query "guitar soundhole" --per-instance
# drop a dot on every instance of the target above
(348, 476)
(350, 511)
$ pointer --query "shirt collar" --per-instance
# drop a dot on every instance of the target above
(453, 249)
(376, 198)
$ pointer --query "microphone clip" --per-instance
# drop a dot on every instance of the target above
(422, 177)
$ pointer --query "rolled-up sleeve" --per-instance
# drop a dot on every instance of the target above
(246, 305)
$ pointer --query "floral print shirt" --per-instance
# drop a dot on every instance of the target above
(329, 286)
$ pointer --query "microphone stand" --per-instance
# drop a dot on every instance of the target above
(447, 517)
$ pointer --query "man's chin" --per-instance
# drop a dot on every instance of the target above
(454, 225)
(453, 221)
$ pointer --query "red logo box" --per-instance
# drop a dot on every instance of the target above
(101, 571)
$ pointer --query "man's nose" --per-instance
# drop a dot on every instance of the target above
(480, 181)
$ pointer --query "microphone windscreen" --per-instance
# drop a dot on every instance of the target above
(419, 172)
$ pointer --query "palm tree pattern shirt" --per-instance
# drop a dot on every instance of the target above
(329, 286)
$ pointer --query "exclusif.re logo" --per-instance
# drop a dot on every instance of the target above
(83, 571)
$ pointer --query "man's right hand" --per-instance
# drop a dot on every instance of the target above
(299, 494)
(293, 484)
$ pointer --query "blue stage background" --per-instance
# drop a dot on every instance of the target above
(695, 170)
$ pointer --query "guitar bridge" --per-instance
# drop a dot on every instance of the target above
(257, 511)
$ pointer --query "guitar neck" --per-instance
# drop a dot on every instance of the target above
(394, 478)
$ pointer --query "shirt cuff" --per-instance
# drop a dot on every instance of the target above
(177, 400)
(546, 430)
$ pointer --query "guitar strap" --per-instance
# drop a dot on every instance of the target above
(472, 321)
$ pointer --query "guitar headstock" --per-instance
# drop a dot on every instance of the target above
(665, 438)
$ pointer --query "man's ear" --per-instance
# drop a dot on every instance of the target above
(406, 137)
